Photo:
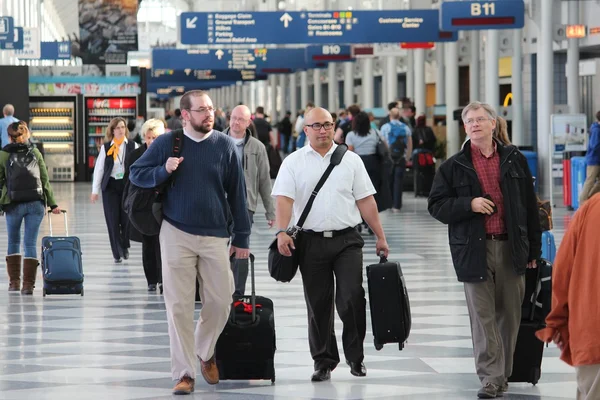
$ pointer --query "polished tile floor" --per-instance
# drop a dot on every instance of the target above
(113, 342)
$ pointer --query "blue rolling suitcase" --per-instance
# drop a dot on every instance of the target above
(61, 263)
(548, 246)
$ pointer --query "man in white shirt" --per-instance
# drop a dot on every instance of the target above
(328, 244)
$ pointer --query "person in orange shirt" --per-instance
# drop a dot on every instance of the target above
(574, 321)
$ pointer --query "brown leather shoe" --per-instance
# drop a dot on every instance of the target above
(209, 370)
(184, 386)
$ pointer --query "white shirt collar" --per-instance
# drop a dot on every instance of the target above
(329, 152)
(124, 142)
(196, 139)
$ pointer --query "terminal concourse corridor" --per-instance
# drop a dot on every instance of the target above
(113, 342)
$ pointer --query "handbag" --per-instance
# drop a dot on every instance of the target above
(144, 205)
(383, 151)
(283, 268)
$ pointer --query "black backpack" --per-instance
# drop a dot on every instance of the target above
(398, 148)
(144, 206)
(23, 179)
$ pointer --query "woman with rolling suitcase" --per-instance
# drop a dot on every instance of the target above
(25, 193)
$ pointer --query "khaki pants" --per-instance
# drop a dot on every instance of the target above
(185, 258)
(588, 382)
(590, 187)
(495, 314)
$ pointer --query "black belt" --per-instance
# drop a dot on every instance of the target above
(327, 234)
(497, 236)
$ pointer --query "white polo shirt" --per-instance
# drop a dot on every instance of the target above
(335, 205)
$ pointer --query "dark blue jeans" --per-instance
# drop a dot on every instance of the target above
(32, 213)
(396, 181)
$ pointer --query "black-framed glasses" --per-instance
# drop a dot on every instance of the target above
(318, 125)
(203, 110)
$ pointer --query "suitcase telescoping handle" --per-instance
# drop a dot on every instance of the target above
(64, 213)
(253, 288)
(382, 258)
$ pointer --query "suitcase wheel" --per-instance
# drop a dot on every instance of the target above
(44, 292)
(81, 292)
(378, 346)
(536, 373)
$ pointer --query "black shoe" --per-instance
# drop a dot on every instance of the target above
(118, 260)
(321, 375)
(152, 287)
(126, 254)
(357, 368)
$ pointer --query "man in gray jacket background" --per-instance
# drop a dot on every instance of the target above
(255, 163)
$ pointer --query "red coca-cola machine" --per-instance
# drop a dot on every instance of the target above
(99, 111)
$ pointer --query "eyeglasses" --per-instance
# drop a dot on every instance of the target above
(203, 110)
(317, 126)
(479, 120)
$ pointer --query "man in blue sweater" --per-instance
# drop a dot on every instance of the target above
(592, 159)
(208, 186)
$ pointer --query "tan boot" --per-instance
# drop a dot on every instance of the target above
(29, 273)
(13, 267)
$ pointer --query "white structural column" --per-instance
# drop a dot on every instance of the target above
(265, 95)
(452, 134)
(545, 98)
(518, 133)
(474, 75)
(348, 84)
(239, 94)
(420, 100)
(318, 93)
(332, 90)
(293, 94)
(390, 83)
(573, 62)
(246, 93)
(367, 100)
(303, 89)
(283, 94)
(440, 85)
(492, 88)
(273, 99)
(253, 90)
(410, 75)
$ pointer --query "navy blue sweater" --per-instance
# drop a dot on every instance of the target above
(209, 184)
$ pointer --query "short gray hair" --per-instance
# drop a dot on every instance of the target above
(476, 105)
(155, 125)
(8, 109)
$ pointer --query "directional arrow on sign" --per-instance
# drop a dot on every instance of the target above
(286, 19)
(219, 53)
(190, 23)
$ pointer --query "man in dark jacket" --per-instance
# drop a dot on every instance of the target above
(486, 196)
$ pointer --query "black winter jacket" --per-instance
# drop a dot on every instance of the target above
(454, 187)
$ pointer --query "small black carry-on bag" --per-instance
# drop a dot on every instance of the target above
(246, 348)
(527, 360)
(62, 268)
(390, 307)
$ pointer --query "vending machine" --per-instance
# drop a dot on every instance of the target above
(99, 111)
(53, 124)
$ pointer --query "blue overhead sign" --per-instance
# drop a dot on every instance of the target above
(312, 27)
(7, 26)
(329, 53)
(55, 50)
(17, 43)
(196, 75)
(260, 60)
(480, 15)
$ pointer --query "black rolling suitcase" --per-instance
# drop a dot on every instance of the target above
(424, 172)
(246, 348)
(527, 363)
(390, 307)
